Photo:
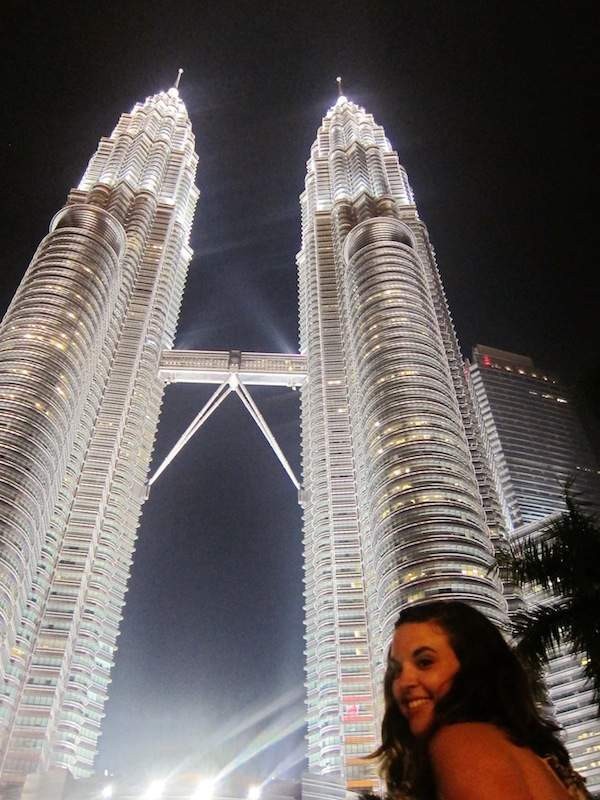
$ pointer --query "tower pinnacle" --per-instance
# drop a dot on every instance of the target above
(179, 74)
(341, 97)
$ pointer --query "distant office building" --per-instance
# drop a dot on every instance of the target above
(79, 402)
(400, 502)
(538, 440)
(540, 446)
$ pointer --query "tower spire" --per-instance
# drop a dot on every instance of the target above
(179, 74)
(339, 86)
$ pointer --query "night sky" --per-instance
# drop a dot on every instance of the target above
(490, 108)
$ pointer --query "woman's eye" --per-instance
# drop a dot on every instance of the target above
(424, 662)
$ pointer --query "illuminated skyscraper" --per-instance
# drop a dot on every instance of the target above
(400, 500)
(80, 397)
(539, 446)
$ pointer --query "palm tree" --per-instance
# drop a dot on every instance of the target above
(566, 561)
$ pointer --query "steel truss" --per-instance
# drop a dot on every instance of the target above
(264, 369)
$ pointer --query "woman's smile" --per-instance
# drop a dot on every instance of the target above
(424, 666)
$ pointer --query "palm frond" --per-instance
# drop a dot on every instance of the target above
(539, 632)
(563, 558)
(577, 535)
(539, 561)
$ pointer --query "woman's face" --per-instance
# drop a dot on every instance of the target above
(424, 664)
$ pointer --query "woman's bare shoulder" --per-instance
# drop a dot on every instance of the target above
(468, 736)
(471, 758)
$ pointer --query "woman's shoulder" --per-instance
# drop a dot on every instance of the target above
(472, 758)
(460, 749)
(468, 736)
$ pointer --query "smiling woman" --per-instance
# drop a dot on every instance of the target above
(460, 720)
(423, 665)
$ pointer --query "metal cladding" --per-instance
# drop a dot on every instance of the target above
(50, 343)
(418, 475)
(399, 498)
(80, 396)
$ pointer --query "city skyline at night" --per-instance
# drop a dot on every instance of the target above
(491, 145)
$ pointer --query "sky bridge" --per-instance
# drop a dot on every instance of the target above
(231, 371)
(217, 366)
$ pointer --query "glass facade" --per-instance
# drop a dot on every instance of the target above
(400, 498)
(80, 397)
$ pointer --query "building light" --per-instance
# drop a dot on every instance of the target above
(205, 789)
(155, 790)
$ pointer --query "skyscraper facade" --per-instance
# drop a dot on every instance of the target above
(80, 397)
(540, 447)
(400, 499)
(538, 441)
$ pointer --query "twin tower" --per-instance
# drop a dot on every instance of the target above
(401, 500)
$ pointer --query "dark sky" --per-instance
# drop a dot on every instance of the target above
(490, 108)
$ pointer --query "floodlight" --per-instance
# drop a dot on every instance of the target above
(155, 790)
(254, 792)
(205, 789)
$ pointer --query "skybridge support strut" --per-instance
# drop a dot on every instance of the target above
(213, 403)
(247, 400)
(227, 369)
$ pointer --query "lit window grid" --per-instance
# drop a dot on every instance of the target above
(353, 177)
(95, 523)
